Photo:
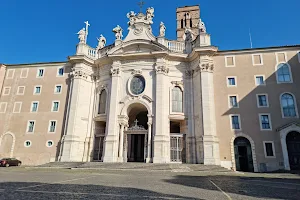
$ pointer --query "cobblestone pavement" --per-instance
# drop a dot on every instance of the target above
(29, 183)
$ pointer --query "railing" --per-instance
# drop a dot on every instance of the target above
(91, 53)
(176, 46)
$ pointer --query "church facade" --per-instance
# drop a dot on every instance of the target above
(145, 98)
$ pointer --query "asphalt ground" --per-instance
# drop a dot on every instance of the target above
(32, 183)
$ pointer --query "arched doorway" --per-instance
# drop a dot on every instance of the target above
(293, 148)
(243, 155)
(137, 133)
(7, 145)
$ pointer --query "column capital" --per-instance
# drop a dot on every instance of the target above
(78, 73)
(162, 69)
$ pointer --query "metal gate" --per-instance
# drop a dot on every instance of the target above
(98, 148)
(176, 147)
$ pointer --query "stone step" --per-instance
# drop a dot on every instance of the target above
(61, 164)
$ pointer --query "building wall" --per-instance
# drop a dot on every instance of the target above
(246, 90)
(2, 75)
(16, 123)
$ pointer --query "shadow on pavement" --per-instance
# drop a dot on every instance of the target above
(37, 190)
(281, 188)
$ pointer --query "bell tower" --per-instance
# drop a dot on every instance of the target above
(187, 17)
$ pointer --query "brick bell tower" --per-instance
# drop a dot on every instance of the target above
(187, 17)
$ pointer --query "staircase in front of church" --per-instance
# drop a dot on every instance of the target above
(173, 167)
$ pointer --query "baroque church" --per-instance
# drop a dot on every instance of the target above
(149, 99)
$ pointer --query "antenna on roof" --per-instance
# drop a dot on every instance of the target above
(250, 38)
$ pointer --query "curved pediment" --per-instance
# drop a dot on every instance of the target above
(137, 46)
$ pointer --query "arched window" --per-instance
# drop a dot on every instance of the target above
(177, 99)
(288, 105)
(102, 102)
(283, 73)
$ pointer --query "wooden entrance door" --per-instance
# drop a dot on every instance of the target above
(293, 147)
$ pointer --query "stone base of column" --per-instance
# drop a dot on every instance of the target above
(161, 149)
(72, 149)
(211, 150)
(148, 160)
(190, 152)
(110, 150)
(120, 159)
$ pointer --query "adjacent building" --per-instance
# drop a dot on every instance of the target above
(145, 98)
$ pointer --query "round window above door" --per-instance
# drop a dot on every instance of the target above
(137, 85)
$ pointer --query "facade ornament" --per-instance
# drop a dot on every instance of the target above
(118, 32)
(188, 40)
(189, 73)
(162, 69)
(201, 26)
(81, 36)
(136, 71)
(150, 14)
(101, 42)
(136, 127)
(207, 67)
(115, 71)
(131, 16)
(177, 83)
(162, 30)
(78, 73)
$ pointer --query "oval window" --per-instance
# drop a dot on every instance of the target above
(137, 85)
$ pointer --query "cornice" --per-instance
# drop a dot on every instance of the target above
(81, 59)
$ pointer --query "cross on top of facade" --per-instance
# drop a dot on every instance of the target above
(141, 4)
(136, 122)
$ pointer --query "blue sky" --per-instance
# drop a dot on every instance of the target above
(45, 31)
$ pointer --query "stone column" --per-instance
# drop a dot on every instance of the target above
(121, 148)
(210, 140)
(148, 159)
(161, 151)
(110, 153)
(79, 117)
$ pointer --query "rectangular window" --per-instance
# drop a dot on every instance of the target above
(230, 61)
(233, 102)
(260, 80)
(52, 126)
(235, 122)
(269, 149)
(281, 57)
(6, 91)
(24, 73)
(10, 74)
(60, 71)
(57, 89)
(34, 106)
(55, 106)
(262, 100)
(37, 90)
(40, 73)
(3, 106)
(17, 107)
(21, 90)
(231, 81)
(30, 127)
(265, 121)
(257, 59)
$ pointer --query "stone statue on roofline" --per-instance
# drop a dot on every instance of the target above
(150, 14)
(101, 42)
(82, 36)
(201, 26)
(131, 16)
(162, 30)
(118, 32)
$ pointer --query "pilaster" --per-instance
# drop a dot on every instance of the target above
(111, 142)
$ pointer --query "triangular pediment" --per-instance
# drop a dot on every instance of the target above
(286, 126)
(137, 46)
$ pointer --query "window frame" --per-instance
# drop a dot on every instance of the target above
(52, 106)
(38, 70)
(27, 127)
(270, 121)
(259, 75)
(31, 106)
(49, 141)
(237, 100)
(267, 100)
(19, 89)
(15, 103)
(7, 73)
(273, 149)
(290, 72)
(261, 58)
(4, 88)
(23, 69)
(239, 120)
(233, 58)
(285, 57)
(57, 73)
(49, 126)
(26, 142)
(60, 89)
(295, 105)
(98, 106)
(227, 81)
(3, 103)
(171, 99)
(35, 88)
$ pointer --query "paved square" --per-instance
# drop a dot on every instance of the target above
(30, 183)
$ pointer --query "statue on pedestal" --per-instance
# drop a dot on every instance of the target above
(101, 42)
(118, 32)
(201, 26)
(131, 16)
(162, 30)
(82, 36)
(149, 14)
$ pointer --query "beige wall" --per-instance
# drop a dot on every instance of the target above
(246, 91)
(16, 123)
(2, 74)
